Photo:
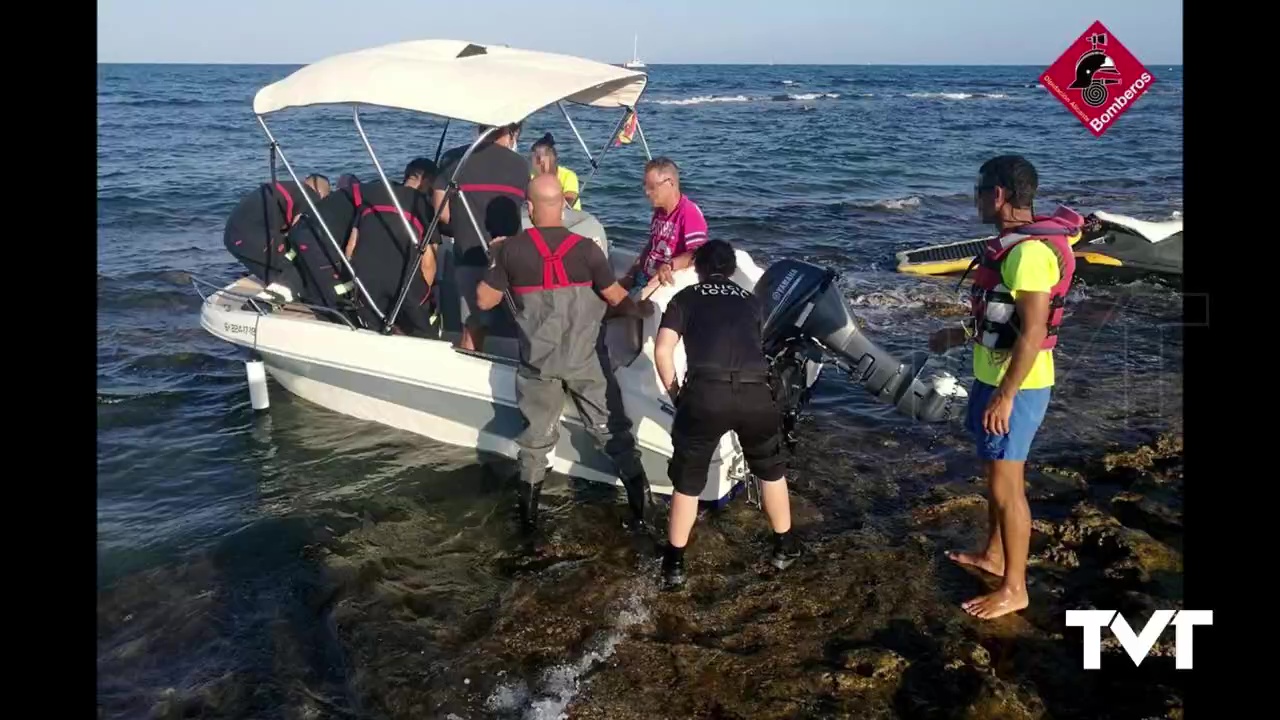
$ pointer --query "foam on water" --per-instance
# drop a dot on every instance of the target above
(560, 684)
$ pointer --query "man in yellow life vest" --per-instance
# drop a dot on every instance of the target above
(1019, 292)
(547, 161)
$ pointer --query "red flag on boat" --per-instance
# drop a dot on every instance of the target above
(628, 130)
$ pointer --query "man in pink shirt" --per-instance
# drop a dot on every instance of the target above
(676, 230)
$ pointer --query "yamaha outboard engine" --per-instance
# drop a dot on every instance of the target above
(806, 318)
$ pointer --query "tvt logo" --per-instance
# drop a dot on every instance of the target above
(1138, 646)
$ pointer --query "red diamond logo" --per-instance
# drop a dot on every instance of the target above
(1097, 79)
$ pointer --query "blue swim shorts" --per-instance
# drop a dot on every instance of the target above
(1029, 407)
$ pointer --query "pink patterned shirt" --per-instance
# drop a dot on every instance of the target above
(677, 233)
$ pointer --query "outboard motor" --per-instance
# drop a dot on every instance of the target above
(806, 318)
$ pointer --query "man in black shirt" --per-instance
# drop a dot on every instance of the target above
(493, 179)
(557, 281)
(324, 278)
(255, 232)
(726, 388)
(380, 249)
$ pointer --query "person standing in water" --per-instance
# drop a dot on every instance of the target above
(560, 284)
(726, 388)
(1018, 295)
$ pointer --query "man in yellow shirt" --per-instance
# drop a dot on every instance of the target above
(1019, 292)
(547, 161)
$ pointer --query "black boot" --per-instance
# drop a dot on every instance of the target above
(673, 575)
(785, 550)
(639, 499)
(528, 496)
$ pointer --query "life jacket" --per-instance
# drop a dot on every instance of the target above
(554, 275)
(995, 316)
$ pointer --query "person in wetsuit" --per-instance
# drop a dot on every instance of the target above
(255, 232)
(560, 283)
(726, 388)
(379, 249)
(494, 180)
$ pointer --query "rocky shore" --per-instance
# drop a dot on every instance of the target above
(868, 625)
(419, 604)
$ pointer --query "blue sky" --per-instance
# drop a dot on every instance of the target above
(968, 32)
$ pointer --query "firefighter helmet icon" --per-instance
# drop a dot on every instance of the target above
(1093, 88)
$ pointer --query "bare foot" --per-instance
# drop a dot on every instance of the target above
(1000, 602)
(993, 564)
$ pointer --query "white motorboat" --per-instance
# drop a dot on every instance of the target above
(427, 385)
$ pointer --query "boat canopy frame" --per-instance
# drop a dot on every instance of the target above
(336, 81)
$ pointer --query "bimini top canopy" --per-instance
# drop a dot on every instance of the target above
(486, 84)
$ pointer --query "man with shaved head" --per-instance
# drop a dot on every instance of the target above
(559, 284)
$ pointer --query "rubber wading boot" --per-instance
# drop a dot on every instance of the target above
(786, 548)
(639, 499)
(528, 495)
(673, 575)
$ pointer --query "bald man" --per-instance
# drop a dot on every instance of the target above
(560, 284)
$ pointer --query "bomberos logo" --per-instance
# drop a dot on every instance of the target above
(1097, 78)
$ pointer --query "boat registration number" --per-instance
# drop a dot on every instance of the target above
(237, 329)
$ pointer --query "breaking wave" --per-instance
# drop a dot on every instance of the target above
(703, 99)
(957, 95)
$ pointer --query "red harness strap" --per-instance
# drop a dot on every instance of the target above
(288, 205)
(391, 210)
(489, 187)
(554, 276)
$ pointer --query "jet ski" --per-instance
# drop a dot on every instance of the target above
(1127, 246)
(1110, 245)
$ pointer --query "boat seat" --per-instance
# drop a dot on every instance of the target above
(1151, 231)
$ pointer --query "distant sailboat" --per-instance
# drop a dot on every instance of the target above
(635, 63)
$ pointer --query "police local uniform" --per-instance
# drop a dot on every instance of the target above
(726, 385)
(554, 278)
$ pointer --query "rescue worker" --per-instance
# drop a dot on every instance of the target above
(379, 249)
(560, 283)
(1017, 298)
(726, 388)
(255, 232)
(494, 180)
(323, 276)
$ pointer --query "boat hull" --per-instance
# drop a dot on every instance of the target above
(430, 388)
